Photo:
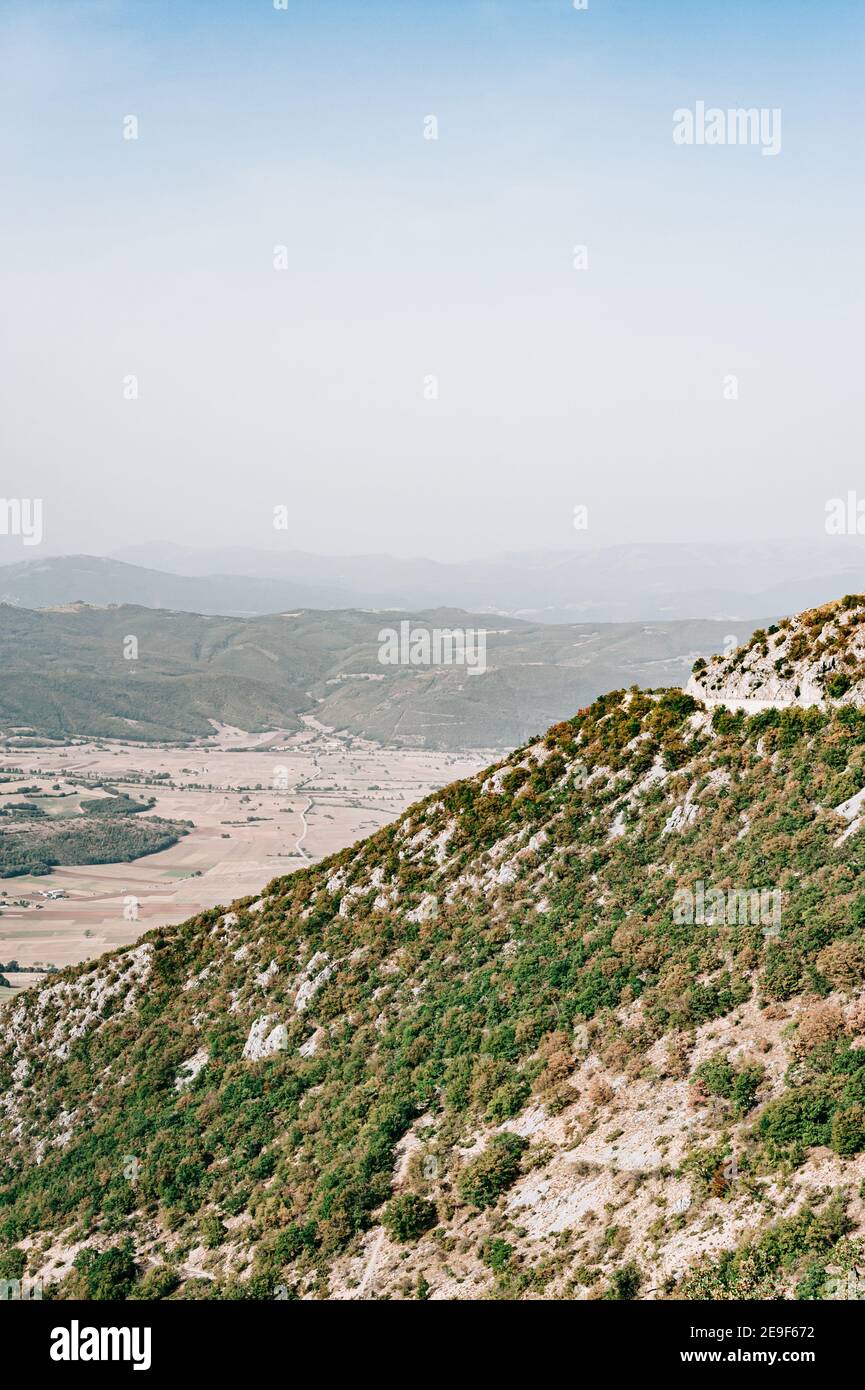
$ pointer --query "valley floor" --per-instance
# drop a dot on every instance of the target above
(260, 805)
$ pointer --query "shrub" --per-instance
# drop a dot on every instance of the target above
(157, 1283)
(720, 1078)
(290, 1242)
(843, 963)
(838, 685)
(496, 1253)
(212, 1231)
(599, 1092)
(802, 1118)
(717, 1076)
(856, 1017)
(12, 1264)
(625, 1283)
(848, 1131)
(408, 1217)
(486, 1177)
(509, 1099)
(819, 1025)
(745, 1088)
(106, 1275)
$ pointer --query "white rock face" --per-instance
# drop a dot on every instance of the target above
(265, 1040)
(681, 817)
(80, 1003)
(734, 694)
(318, 971)
(311, 1046)
(426, 910)
(190, 1069)
(264, 977)
(852, 807)
(195, 980)
(798, 664)
(851, 810)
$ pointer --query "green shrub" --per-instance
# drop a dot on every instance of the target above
(848, 1131)
(801, 1118)
(745, 1088)
(486, 1177)
(406, 1218)
(106, 1275)
(213, 1232)
(496, 1253)
(157, 1283)
(12, 1264)
(509, 1099)
(625, 1283)
(294, 1239)
(838, 685)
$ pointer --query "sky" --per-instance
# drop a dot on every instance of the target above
(281, 294)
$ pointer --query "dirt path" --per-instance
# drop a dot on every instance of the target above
(371, 1263)
(299, 843)
(299, 849)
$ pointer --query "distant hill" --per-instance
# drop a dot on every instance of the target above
(628, 582)
(97, 580)
(64, 673)
(590, 1024)
(624, 583)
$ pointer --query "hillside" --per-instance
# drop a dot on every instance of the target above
(550, 1034)
(65, 674)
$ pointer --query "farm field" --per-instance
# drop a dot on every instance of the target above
(260, 805)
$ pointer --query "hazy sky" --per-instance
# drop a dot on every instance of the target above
(410, 257)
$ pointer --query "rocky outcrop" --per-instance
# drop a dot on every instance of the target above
(815, 658)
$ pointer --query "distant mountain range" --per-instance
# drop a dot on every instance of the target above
(625, 583)
(65, 673)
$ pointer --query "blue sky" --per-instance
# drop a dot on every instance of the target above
(409, 257)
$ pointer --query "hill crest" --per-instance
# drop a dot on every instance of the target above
(814, 658)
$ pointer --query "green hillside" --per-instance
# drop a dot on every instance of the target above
(484, 1053)
(65, 674)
